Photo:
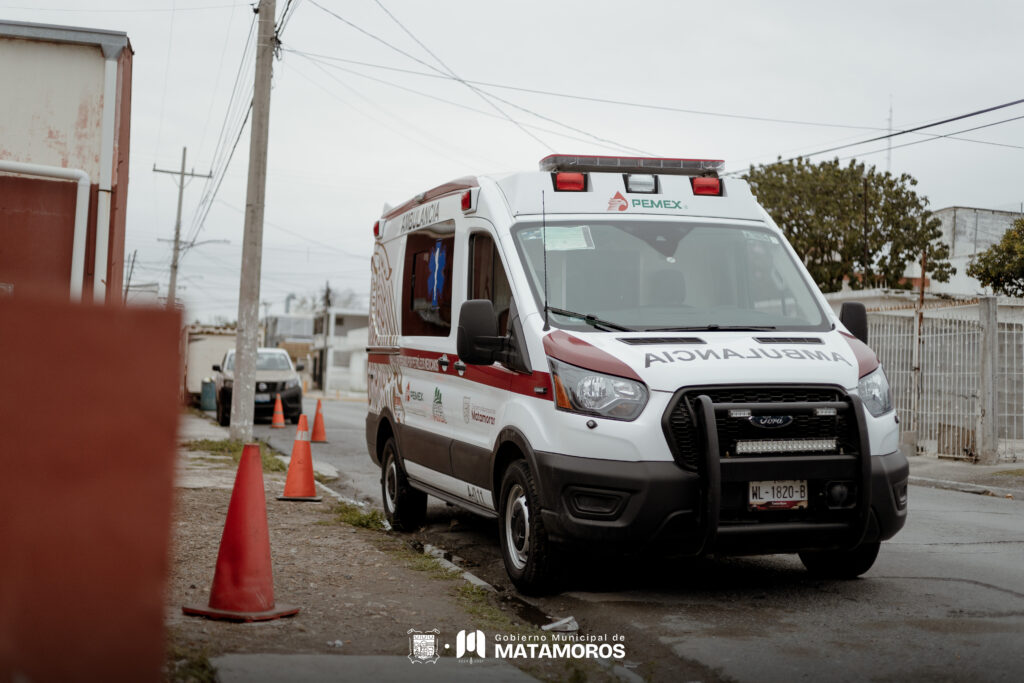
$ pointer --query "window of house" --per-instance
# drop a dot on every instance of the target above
(339, 325)
(427, 285)
(487, 279)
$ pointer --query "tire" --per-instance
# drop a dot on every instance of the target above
(404, 506)
(525, 548)
(223, 414)
(840, 564)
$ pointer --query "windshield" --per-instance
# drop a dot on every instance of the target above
(265, 360)
(651, 275)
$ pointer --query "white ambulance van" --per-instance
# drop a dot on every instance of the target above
(624, 352)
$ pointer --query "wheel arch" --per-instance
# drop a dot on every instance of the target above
(511, 445)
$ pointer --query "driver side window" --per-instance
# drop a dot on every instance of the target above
(487, 279)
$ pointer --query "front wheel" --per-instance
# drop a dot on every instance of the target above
(525, 547)
(404, 506)
(840, 564)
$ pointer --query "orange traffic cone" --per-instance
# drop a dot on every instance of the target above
(319, 433)
(278, 421)
(300, 484)
(243, 583)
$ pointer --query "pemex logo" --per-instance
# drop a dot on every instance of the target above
(618, 203)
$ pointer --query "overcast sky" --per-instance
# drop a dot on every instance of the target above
(347, 137)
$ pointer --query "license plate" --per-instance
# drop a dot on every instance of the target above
(778, 494)
(263, 398)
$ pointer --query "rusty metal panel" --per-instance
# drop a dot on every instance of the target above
(88, 445)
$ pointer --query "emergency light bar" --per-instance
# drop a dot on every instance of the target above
(689, 167)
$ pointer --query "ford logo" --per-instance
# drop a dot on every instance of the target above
(770, 421)
(262, 386)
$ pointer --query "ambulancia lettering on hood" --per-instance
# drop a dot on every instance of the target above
(752, 353)
(666, 363)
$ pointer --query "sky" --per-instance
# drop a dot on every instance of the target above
(366, 111)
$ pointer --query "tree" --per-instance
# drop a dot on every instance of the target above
(852, 223)
(1001, 266)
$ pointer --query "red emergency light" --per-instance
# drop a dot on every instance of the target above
(467, 200)
(570, 182)
(707, 186)
(376, 229)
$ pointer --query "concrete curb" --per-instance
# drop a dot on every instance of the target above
(964, 487)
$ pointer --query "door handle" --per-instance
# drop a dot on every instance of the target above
(460, 367)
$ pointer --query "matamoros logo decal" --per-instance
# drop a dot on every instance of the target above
(425, 647)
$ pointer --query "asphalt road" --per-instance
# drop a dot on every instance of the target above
(944, 601)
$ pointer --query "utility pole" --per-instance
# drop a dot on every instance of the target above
(243, 394)
(177, 221)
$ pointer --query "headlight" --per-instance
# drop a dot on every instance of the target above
(593, 393)
(873, 390)
(292, 383)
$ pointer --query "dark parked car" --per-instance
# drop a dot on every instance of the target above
(274, 375)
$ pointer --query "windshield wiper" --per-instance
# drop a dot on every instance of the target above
(590, 319)
(713, 327)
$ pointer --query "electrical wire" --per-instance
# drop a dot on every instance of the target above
(429, 66)
(601, 100)
(951, 119)
(611, 144)
(949, 136)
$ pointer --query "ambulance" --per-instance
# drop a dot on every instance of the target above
(624, 353)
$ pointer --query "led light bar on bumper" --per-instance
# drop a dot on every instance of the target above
(578, 390)
(785, 446)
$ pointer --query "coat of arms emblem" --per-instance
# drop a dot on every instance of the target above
(423, 646)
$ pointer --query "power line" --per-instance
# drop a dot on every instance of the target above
(601, 100)
(429, 66)
(216, 85)
(476, 91)
(949, 136)
(320, 64)
(977, 112)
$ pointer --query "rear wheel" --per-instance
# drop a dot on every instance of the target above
(404, 506)
(840, 564)
(525, 547)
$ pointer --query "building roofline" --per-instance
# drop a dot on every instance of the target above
(978, 208)
(111, 42)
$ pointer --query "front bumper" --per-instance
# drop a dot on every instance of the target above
(703, 508)
(641, 504)
(291, 403)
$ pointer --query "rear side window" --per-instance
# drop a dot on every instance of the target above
(427, 286)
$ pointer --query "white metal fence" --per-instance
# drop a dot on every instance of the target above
(935, 365)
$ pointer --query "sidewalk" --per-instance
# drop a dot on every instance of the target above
(359, 591)
(1002, 480)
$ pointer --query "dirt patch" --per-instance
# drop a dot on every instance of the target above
(360, 590)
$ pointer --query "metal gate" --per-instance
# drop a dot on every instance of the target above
(942, 386)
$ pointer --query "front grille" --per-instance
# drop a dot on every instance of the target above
(682, 427)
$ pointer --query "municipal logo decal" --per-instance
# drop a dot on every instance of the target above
(423, 646)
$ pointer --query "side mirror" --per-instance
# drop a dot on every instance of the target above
(217, 368)
(855, 317)
(478, 342)
(299, 367)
